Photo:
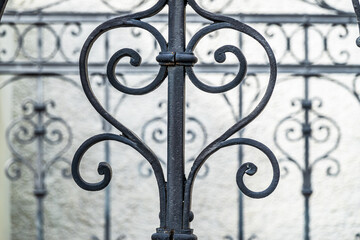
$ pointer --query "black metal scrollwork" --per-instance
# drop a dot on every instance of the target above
(168, 58)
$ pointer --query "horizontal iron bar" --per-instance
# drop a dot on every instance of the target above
(61, 17)
(281, 18)
(71, 69)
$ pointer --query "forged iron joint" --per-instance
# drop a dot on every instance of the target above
(306, 129)
(40, 107)
(40, 193)
(307, 192)
(306, 104)
(176, 58)
(40, 131)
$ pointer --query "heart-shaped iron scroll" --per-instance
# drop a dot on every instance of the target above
(169, 58)
(323, 130)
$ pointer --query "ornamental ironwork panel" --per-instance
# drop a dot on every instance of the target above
(296, 63)
(175, 61)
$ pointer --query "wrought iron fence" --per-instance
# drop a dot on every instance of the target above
(294, 62)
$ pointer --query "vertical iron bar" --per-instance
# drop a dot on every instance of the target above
(176, 119)
(241, 158)
(40, 190)
(107, 128)
(307, 174)
(107, 198)
(306, 191)
(40, 218)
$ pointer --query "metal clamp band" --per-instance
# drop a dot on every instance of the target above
(176, 58)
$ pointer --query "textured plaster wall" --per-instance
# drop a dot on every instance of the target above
(72, 213)
(5, 115)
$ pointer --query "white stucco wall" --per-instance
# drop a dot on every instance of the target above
(5, 116)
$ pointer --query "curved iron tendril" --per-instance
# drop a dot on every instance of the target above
(75, 28)
(325, 5)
